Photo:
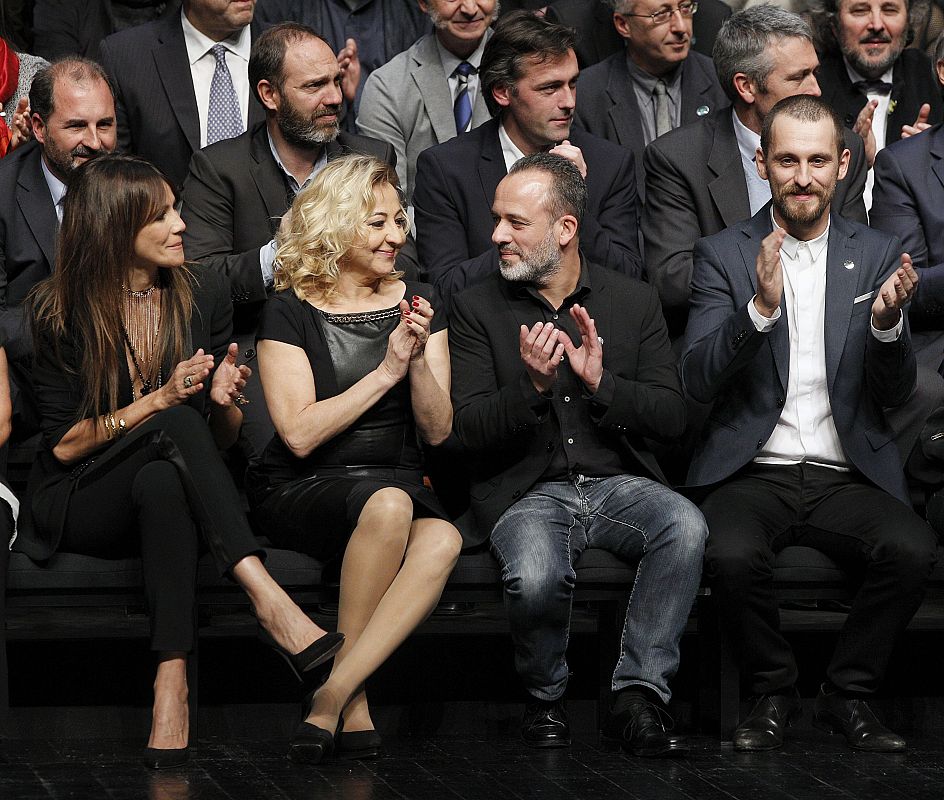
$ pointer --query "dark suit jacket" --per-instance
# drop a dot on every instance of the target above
(233, 201)
(913, 83)
(745, 373)
(155, 99)
(492, 393)
(597, 38)
(908, 201)
(607, 105)
(61, 392)
(452, 201)
(76, 27)
(695, 186)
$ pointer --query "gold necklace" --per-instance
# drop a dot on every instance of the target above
(141, 326)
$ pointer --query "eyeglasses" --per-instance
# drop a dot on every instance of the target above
(663, 16)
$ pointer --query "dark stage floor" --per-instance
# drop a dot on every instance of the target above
(811, 767)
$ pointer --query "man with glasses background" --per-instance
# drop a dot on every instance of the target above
(657, 84)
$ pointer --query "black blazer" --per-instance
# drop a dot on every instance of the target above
(233, 200)
(597, 38)
(154, 95)
(607, 104)
(913, 83)
(61, 391)
(491, 391)
(745, 373)
(452, 202)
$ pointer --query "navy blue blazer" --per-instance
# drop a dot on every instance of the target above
(745, 373)
(455, 187)
(908, 201)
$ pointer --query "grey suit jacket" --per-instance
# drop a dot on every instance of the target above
(155, 100)
(695, 186)
(607, 105)
(745, 373)
(407, 103)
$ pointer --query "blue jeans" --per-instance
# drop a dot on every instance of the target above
(538, 540)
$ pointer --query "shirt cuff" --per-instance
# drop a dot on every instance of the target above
(266, 262)
(891, 335)
(538, 402)
(762, 323)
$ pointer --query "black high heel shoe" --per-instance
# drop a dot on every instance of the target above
(311, 744)
(316, 653)
(159, 758)
(357, 744)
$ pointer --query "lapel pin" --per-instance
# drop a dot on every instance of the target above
(702, 110)
(849, 264)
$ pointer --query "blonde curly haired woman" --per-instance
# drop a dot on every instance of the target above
(355, 369)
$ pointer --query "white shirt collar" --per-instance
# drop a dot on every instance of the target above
(791, 244)
(510, 150)
(57, 189)
(199, 44)
(748, 141)
(450, 61)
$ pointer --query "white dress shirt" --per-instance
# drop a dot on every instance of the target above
(806, 432)
(57, 189)
(879, 123)
(510, 151)
(758, 190)
(203, 65)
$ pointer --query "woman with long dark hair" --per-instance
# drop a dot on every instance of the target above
(138, 387)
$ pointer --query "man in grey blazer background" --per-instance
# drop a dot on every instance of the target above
(424, 94)
(798, 338)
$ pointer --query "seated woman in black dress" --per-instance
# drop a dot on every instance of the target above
(138, 386)
(355, 370)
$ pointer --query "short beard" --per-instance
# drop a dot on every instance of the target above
(537, 267)
(440, 22)
(871, 69)
(806, 215)
(63, 163)
(303, 132)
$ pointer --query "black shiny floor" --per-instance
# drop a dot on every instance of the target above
(811, 766)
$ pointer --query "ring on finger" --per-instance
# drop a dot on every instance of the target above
(188, 381)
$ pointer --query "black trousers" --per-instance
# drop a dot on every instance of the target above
(876, 537)
(153, 493)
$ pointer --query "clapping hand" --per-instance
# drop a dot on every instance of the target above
(417, 317)
(229, 380)
(863, 127)
(187, 379)
(350, 65)
(541, 351)
(769, 274)
(897, 290)
(587, 360)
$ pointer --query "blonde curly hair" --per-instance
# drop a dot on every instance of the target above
(329, 219)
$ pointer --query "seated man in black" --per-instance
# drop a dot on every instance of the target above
(561, 369)
(797, 335)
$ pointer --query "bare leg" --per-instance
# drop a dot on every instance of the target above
(431, 552)
(286, 622)
(170, 721)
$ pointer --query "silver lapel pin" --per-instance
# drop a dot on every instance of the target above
(849, 264)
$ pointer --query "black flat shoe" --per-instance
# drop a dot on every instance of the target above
(358, 744)
(310, 744)
(159, 758)
(316, 653)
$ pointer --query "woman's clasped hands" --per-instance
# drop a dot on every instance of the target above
(407, 343)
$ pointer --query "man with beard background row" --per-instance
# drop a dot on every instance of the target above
(238, 189)
(560, 372)
(182, 82)
(424, 95)
(73, 118)
(797, 336)
(529, 74)
(880, 89)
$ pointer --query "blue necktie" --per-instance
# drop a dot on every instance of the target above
(224, 120)
(462, 108)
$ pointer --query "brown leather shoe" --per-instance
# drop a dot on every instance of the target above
(763, 728)
(853, 718)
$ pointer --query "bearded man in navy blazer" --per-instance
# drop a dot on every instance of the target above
(528, 75)
(797, 335)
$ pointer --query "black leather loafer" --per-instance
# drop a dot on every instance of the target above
(853, 718)
(545, 725)
(638, 728)
(763, 728)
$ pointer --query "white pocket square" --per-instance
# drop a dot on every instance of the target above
(866, 296)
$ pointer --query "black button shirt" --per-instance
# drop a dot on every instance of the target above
(579, 445)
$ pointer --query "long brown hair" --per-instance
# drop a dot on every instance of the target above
(110, 199)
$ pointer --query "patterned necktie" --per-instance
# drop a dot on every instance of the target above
(224, 120)
(462, 108)
(663, 123)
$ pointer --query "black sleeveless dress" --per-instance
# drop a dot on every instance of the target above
(312, 504)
